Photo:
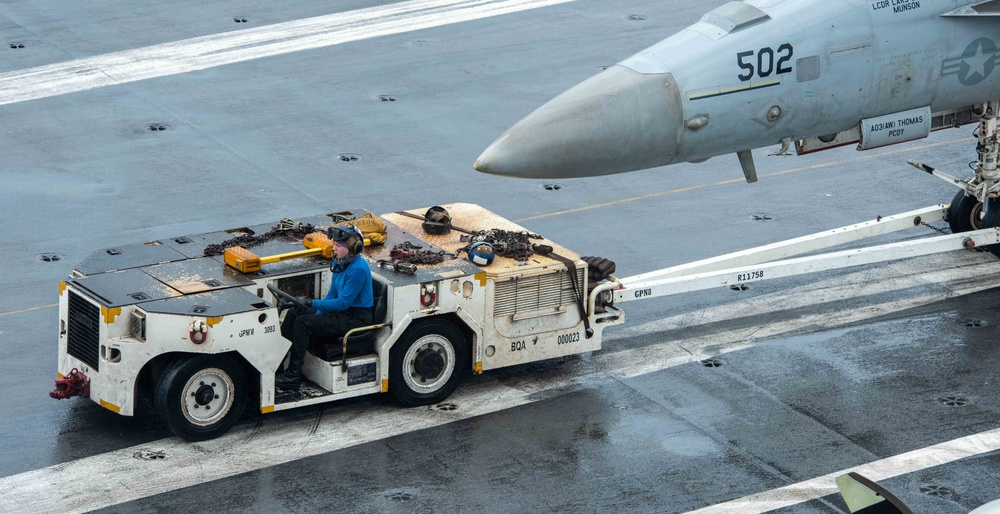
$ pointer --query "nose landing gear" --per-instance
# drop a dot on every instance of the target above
(977, 204)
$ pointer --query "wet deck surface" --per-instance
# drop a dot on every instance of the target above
(818, 374)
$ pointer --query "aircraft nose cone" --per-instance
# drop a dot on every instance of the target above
(616, 121)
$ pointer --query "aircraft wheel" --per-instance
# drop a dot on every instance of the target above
(201, 397)
(992, 220)
(427, 363)
(965, 213)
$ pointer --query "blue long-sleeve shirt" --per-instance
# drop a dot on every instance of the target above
(349, 288)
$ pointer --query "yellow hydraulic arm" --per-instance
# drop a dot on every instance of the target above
(246, 261)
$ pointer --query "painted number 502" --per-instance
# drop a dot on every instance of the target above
(765, 63)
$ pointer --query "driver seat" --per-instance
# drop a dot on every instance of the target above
(360, 343)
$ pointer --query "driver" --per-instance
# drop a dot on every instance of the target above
(348, 304)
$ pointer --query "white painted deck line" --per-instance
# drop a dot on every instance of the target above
(117, 477)
(243, 45)
(936, 455)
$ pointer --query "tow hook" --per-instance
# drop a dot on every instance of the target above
(73, 384)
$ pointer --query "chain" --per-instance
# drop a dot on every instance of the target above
(413, 254)
(287, 227)
(936, 229)
(506, 243)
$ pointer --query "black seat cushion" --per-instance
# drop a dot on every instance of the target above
(361, 342)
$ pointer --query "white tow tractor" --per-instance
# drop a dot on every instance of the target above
(203, 338)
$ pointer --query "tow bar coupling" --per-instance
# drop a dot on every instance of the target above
(73, 384)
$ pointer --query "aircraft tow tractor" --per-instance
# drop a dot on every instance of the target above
(199, 334)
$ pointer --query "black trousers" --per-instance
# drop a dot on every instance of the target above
(301, 325)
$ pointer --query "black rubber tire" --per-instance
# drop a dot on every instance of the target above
(965, 213)
(182, 397)
(412, 363)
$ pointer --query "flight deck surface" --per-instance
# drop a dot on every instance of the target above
(699, 400)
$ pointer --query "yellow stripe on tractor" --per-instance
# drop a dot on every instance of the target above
(110, 406)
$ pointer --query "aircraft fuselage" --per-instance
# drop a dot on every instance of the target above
(750, 74)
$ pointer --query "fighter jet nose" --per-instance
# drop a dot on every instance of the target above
(497, 159)
(616, 121)
(483, 163)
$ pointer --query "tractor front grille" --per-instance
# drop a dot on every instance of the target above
(84, 331)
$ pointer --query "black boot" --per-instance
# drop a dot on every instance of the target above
(290, 380)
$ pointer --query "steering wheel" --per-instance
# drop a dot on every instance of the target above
(284, 297)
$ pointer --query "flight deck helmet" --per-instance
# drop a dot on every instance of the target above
(349, 234)
(437, 221)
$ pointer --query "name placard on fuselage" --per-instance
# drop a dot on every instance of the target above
(895, 128)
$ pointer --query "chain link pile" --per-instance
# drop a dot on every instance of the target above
(285, 228)
(506, 243)
(414, 254)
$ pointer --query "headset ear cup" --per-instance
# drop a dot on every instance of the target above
(482, 254)
(359, 240)
(352, 236)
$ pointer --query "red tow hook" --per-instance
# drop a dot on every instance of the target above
(74, 384)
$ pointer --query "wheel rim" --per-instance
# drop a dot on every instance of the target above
(429, 363)
(976, 216)
(208, 397)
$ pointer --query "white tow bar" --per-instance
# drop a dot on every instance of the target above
(773, 260)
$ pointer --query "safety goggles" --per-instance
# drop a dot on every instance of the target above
(338, 233)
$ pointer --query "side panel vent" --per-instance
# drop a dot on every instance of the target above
(535, 293)
(137, 325)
